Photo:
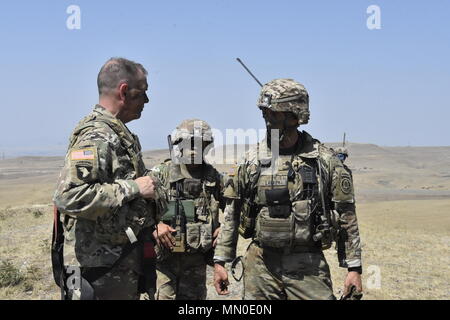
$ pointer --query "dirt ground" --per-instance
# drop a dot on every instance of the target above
(403, 201)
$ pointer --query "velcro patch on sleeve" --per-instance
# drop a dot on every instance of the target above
(82, 154)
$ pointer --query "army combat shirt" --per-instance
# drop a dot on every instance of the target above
(97, 196)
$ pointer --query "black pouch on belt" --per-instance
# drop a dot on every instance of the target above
(278, 202)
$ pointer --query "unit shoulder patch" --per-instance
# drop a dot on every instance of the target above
(346, 183)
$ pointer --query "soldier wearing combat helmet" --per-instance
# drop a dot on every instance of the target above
(292, 206)
(342, 153)
(187, 231)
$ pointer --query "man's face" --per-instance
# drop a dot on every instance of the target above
(135, 99)
(279, 120)
(193, 150)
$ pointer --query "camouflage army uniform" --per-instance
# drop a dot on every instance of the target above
(99, 200)
(182, 275)
(285, 259)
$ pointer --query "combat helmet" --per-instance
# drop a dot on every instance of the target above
(285, 95)
(192, 128)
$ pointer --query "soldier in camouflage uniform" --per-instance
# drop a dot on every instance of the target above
(293, 205)
(342, 153)
(109, 204)
(185, 247)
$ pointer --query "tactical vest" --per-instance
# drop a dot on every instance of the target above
(200, 201)
(284, 205)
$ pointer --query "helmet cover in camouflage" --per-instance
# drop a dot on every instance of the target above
(285, 95)
(192, 128)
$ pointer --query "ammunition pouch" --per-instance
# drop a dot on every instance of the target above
(197, 211)
(188, 207)
(199, 236)
(248, 208)
(247, 221)
(303, 225)
(278, 202)
(273, 232)
(292, 230)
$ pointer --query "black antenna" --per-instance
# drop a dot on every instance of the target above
(239, 60)
(343, 141)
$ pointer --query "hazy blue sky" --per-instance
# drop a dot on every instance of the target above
(389, 86)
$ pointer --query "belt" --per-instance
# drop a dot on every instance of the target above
(291, 249)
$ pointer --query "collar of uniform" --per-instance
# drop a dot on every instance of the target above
(100, 109)
(308, 148)
(121, 129)
(176, 173)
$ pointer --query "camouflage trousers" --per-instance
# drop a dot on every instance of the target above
(181, 276)
(121, 282)
(271, 274)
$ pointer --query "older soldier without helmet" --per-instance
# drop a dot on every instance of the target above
(107, 201)
(185, 245)
(292, 213)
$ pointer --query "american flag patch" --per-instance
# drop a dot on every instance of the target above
(85, 154)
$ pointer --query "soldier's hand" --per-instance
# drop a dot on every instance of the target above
(215, 234)
(163, 235)
(221, 279)
(146, 187)
(353, 279)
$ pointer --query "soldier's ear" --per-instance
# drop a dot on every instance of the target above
(123, 89)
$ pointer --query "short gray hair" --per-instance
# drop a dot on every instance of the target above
(117, 70)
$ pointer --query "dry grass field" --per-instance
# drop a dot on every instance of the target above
(403, 207)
